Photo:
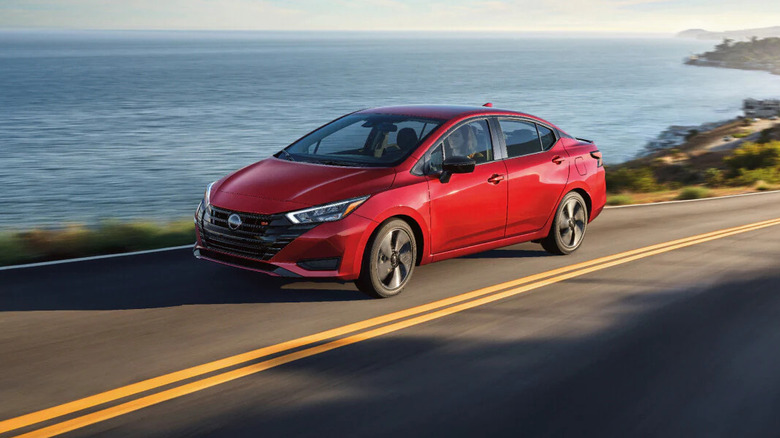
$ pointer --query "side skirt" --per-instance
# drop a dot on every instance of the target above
(507, 241)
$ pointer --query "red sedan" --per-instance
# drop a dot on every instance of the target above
(372, 194)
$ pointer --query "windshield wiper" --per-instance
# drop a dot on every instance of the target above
(338, 163)
(287, 154)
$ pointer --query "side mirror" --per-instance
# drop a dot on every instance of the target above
(456, 165)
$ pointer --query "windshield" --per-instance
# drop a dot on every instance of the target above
(362, 140)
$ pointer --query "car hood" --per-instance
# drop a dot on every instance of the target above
(274, 185)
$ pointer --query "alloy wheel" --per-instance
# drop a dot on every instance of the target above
(571, 222)
(394, 258)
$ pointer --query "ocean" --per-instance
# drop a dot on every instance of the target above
(126, 125)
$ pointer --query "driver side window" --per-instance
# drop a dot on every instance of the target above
(471, 140)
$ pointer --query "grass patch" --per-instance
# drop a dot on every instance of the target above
(763, 186)
(694, 193)
(620, 200)
(80, 241)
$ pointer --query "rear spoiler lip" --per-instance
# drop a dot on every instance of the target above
(584, 139)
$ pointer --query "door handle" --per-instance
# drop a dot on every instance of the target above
(558, 159)
(496, 178)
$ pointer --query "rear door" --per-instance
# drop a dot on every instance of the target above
(537, 172)
(471, 208)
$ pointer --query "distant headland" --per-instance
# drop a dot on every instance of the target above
(702, 34)
(753, 54)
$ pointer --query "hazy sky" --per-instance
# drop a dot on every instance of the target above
(508, 15)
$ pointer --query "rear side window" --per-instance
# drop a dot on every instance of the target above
(521, 137)
(547, 136)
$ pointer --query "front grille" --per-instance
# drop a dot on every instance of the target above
(259, 236)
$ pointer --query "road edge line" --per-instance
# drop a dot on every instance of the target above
(678, 201)
(98, 257)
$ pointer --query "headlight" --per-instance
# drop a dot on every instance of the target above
(207, 195)
(326, 213)
(204, 203)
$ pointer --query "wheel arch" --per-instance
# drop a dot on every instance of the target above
(367, 281)
(419, 237)
(583, 190)
(586, 198)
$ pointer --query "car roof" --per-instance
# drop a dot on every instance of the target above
(441, 111)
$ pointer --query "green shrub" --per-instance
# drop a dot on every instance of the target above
(765, 137)
(754, 156)
(762, 186)
(634, 180)
(748, 177)
(80, 241)
(714, 177)
(619, 200)
(12, 250)
(742, 134)
(677, 176)
(694, 192)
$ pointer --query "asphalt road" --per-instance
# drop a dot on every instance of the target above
(682, 343)
(718, 144)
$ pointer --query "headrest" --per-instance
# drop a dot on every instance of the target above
(406, 139)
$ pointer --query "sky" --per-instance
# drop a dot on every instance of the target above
(625, 16)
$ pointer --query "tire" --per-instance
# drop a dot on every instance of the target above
(388, 261)
(568, 228)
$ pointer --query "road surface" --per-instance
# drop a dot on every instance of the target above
(679, 339)
(718, 144)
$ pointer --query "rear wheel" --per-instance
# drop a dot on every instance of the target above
(388, 261)
(568, 228)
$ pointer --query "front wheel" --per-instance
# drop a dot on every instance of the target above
(568, 228)
(388, 261)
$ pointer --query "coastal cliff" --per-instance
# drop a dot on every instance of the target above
(754, 54)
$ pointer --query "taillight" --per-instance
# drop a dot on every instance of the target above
(597, 156)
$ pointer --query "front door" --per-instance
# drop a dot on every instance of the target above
(470, 208)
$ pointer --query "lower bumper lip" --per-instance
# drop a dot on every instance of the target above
(240, 262)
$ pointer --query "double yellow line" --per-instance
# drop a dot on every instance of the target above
(325, 341)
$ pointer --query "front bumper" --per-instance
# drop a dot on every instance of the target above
(280, 248)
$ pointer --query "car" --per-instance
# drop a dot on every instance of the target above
(727, 138)
(375, 193)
